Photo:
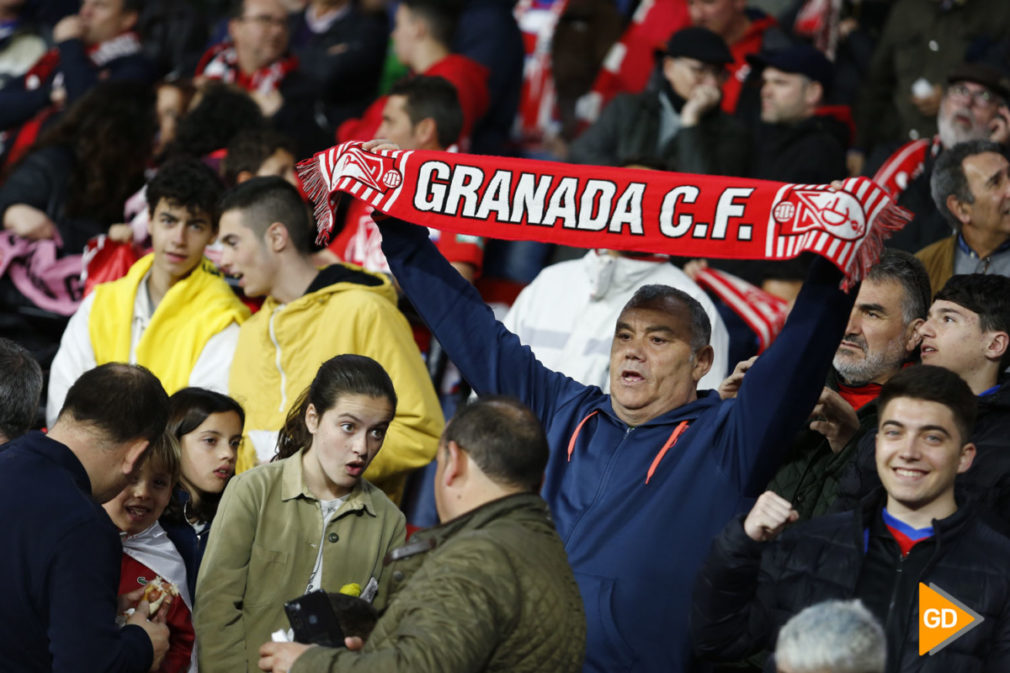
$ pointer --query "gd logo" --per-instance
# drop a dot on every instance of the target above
(942, 619)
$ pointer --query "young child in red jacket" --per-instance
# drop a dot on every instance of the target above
(149, 557)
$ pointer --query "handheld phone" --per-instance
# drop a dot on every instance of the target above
(313, 620)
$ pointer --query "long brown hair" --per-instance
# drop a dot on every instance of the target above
(110, 131)
(338, 376)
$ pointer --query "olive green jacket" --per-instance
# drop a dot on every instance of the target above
(262, 549)
(488, 591)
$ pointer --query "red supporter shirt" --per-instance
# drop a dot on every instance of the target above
(134, 575)
(468, 76)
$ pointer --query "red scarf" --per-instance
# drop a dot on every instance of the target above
(612, 208)
(221, 62)
(905, 165)
(763, 312)
(859, 396)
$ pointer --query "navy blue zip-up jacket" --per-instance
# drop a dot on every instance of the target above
(59, 569)
(635, 547)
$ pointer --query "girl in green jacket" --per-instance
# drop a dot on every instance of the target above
(303, 522)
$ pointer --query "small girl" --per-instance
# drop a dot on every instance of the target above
(148, 553)
(208, 426)
(303, 522)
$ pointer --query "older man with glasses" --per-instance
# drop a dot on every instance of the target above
(255, 57)
(973, 107)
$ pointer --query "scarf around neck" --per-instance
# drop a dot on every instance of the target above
(613, 208)
(221, 63)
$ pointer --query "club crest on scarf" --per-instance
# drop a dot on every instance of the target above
(601, 207)
(806, 210)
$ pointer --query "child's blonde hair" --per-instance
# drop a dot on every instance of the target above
(165, 455)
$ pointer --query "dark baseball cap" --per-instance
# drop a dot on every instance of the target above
(700, 44)
(985, 74)
(800, 59)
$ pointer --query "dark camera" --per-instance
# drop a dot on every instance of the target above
(313, 620)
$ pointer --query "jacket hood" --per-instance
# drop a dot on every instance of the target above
(342, 277)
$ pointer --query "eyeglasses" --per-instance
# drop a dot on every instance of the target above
(981, 97)
(266, 20)
(700, 70)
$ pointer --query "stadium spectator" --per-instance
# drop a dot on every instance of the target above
(973, 107)
(488, 590)
(880, 339)
(310, 315)
(968, 332)
(422, 38)
(68, 615)
(172, 312)
(793, 143)
(679, 125)
(970, 186)
(614, 500)
(915, 531)
(259, 153)
(304, 522)
(255, 57)
(921, 44)
(20, 390)
(421, 113)
(97, 44)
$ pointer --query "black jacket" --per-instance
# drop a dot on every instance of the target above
(628, 130)
(59, 571)
(811, 151)
(747, 590)
(987, 480)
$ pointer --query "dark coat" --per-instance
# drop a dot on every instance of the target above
(59, 572)
(18, 103)
(747, 590)
(489, 591)
(809, 475)
(628, 130)
(987, 480)
(342, 64)
(635, 542)
(811, 151)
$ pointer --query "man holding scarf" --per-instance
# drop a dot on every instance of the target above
(639, 481)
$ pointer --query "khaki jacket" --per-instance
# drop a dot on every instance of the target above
(490, 591)
(938, 259)
(261, 552)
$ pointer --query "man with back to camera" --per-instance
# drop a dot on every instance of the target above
(623, 464)
(59, 573)
(20, 388)
(914, 531)
(488, 590)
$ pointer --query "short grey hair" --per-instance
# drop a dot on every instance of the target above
(657, 296)
(908, 271)
(948, 178)
(835, 636)
(20, 390)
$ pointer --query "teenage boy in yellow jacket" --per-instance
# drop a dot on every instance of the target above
(172, 312)
(309, 316)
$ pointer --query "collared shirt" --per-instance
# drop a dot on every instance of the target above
(967, 260)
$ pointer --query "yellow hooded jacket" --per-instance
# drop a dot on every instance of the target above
(281, 347)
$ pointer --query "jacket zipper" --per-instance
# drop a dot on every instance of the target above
(277, 362)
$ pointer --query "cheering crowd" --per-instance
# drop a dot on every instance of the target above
(256, 416)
